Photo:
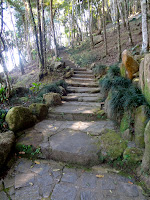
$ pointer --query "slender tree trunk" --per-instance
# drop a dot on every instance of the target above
(35, 32)
(104, 27)
(145, 44)
(90, 25)
(127, 23)
(53, 29)
(121, 12)
(118, 30)
(8, 91)
(44, 32)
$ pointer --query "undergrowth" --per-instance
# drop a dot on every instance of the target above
(99, 70)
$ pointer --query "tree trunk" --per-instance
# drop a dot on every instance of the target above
(145, 43)
(121, 13)
(104, 27)
(90, 26)
(118, 30)
(127, 22)
(44, 33)
(35, 32)
(53, 29)
(8, 91)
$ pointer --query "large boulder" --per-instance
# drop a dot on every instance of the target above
(130, 64)
(39, 110)
(146, 157)
(139, 125)
(145, 76)
(52, 99)
(7, 140)
(19, 118)
(111, 146)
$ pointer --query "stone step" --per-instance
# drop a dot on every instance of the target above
(76, 84)
(83, 90)
(80, 69)
(81, 99)
(66, 141)
(73, 112)
(84, 72)
(78, 103)
(85, 95)
(83, 76)
(83, 80)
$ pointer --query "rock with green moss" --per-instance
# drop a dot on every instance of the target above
(20, 118)
(39, 110)
(133, 155)
(123, 70)
(139, 125)
(7, 140)
(146, 157)
(144, 73)
(52, 99)
(111, 146)
(125, 126)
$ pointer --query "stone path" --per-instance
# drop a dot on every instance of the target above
(68, 138)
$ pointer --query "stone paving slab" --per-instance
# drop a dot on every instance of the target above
(83, 90)
(82, 103)
(84, 76)
(83, 72)
(58, 181)
(84, 95)
(73, 112)
(76, 84)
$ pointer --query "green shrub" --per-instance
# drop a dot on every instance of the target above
(62, 83)
(35, 88)
(49, 88)
(113, 71)
(99, 70)
(2, 94)
(2, 119)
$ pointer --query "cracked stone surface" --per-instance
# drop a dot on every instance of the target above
(51, 180)
(72, 139)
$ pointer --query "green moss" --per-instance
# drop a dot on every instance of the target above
(125, 122)
(123, 71)
(111, 146)
(133, 155)
(146, 92)
(39, 109)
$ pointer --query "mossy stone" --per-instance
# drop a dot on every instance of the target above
(123, 70)
(139, 126)
(133, 155)
(39, 110)
(146, 157)
(111, 146)
(125, 122)
(19, 118)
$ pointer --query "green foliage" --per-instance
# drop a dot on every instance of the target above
(113, 71)
(2, 94)
(54, 87)
(2, 119)
(99, 70)
(62, 83)
(28, 150)
(58, 59)
(35, 88)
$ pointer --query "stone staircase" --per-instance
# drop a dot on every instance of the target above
(70, 132)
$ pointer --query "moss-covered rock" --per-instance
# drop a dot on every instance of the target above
(111, 146)
(144, 74)
(125, 126)
(139, 125)
(19, 118)
(133, 155)
(52, 99)
(123, 70)
(39, 110)
(146, 157)
(7, 140)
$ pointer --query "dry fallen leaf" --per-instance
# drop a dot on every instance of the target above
(31, 183)
(21, 152)
(130, 182)
(56, 170)
(110, 191)
(100, 176)
(37, 162)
